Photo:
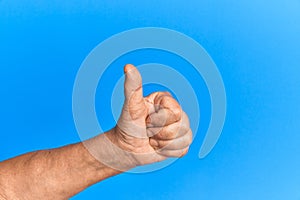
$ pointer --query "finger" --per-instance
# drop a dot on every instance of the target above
(152, 107)
(168, 102)
(163, 117)
(167, 111)
(171, 131)
(165, 133)
(173, 153)
(175, 144)
(134, 101)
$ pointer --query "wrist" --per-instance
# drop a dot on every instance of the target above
(123, 150)
(107, 150)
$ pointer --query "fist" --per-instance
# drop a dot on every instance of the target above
(153, 128)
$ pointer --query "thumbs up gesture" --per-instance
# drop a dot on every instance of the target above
(153, 128)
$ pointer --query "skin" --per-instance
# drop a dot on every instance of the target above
(150, 129)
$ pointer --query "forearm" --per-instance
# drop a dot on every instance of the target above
(63, 172)
(56, 174)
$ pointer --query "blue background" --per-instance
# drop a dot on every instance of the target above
(255, 44)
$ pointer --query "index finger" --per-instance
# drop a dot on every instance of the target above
(167, 111)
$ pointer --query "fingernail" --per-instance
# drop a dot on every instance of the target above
(153, 143)
(128, 67)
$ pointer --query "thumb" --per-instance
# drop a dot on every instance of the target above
(134, 112)
(133, 84)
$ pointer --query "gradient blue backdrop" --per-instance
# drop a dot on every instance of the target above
(255, 44)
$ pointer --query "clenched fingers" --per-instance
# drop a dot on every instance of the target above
(173, 153)
(173, 144)
(163, 110)
(171, 131)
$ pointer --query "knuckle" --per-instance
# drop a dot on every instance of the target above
(187, 140)
(175, 132)
(190, 137)
(185, 118)
(185, 123)
(184, 127)
(165, 93)
(159, 97)
(177, 112)
(168, 93)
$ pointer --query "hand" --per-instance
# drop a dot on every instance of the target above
(153, 128)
